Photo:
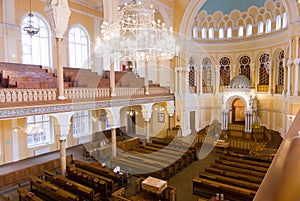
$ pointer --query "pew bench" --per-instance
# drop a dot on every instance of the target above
(25, 195)
(238, 170)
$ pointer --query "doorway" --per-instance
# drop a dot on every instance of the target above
(238, 111)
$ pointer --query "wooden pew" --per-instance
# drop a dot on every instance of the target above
(25, 195)
(208, 188)
(236, 175)
(100, 184)
(238, 170)
(82, 191)
(229, 180)
(3, 198)
(138, 168)
(245, 161)
(98, 169)
(242, 165)
(50, 192)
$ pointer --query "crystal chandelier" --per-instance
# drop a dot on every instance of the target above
(30, 27)
(34, 130)
(137, 36)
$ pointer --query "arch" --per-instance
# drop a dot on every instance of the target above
(238, 111)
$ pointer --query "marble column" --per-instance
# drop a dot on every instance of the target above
(113, 117)
(296, 87)
(284, 76)
(289, 86)
(58, 13)
(146, 78)
(225, 119)
(147, 112)
(112, 80)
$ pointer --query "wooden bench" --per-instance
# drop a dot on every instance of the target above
(229, 180)
(48, 191)
(245, 161)
(25, 195)
(207, 188)
(238, 170)
(236, 175)
(80, 190)
(242, 165)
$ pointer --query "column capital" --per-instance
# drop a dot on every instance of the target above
(170, 108)
(63, 122)
(58, 13)
(113, 116)
(179, 69)
(297, 61)
(289, 62)
(147, 111)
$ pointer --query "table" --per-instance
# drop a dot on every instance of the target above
(154, 185)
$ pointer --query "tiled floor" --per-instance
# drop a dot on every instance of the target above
(182, 180)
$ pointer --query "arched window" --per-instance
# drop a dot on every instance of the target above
(268, 26)
(224, 71)
(260, 28)
(245, 66)
(40, 130)
(36, 49)
(204, 32)
(284, 20)
(221, 33)
(82, 124)
(211, 33)
(241, 31)
(249, 30)
(207, 75)
(79, 48)
(280, 75)
(264, 69)
(278, 22)
(229, 32)
(195, 32)
(192, 75)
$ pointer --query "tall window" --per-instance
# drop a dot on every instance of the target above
(82, 124)
(249, 30)
(195, 32)
(268, 26)
(79, 48)
(264, 69)
(278, 22)
(211, 33)
(229, 32)
(224, 71)
(260, 27)
(221, 33)
(207, 75)
(36, 49)
(241, 31)
(284, 20)
(204, 32)
(39, 130)
(245, 66)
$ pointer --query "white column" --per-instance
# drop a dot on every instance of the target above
(180, 80)
(63, 125)
(58, 13)
(252, 70)
(112, 80)
(284, 76)
(185, 80)
(147, 112)
(170, 111)
(113, 117)
(225, 119)
(172, 80)
(146, 78)
(201, 80)
(297, 47)
(270, 77)
(296, 62)
(289, 86)
(157, 71)
(217, 86)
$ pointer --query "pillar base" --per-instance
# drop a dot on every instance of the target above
(147, 93)
(113, 95)
(61, 98)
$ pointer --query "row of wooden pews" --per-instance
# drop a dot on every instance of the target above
(238, 178)
(154, 160)
(14, 75)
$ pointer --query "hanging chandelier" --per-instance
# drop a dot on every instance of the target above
(136, 35)
(30, 27)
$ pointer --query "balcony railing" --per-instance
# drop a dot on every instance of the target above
(33, 95)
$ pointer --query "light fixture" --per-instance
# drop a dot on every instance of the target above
(132, 112)
(30, 27)
(136, 35)
(33, 129)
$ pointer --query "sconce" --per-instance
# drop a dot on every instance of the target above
(132, 112)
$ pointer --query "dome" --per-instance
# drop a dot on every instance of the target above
(240, 81)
